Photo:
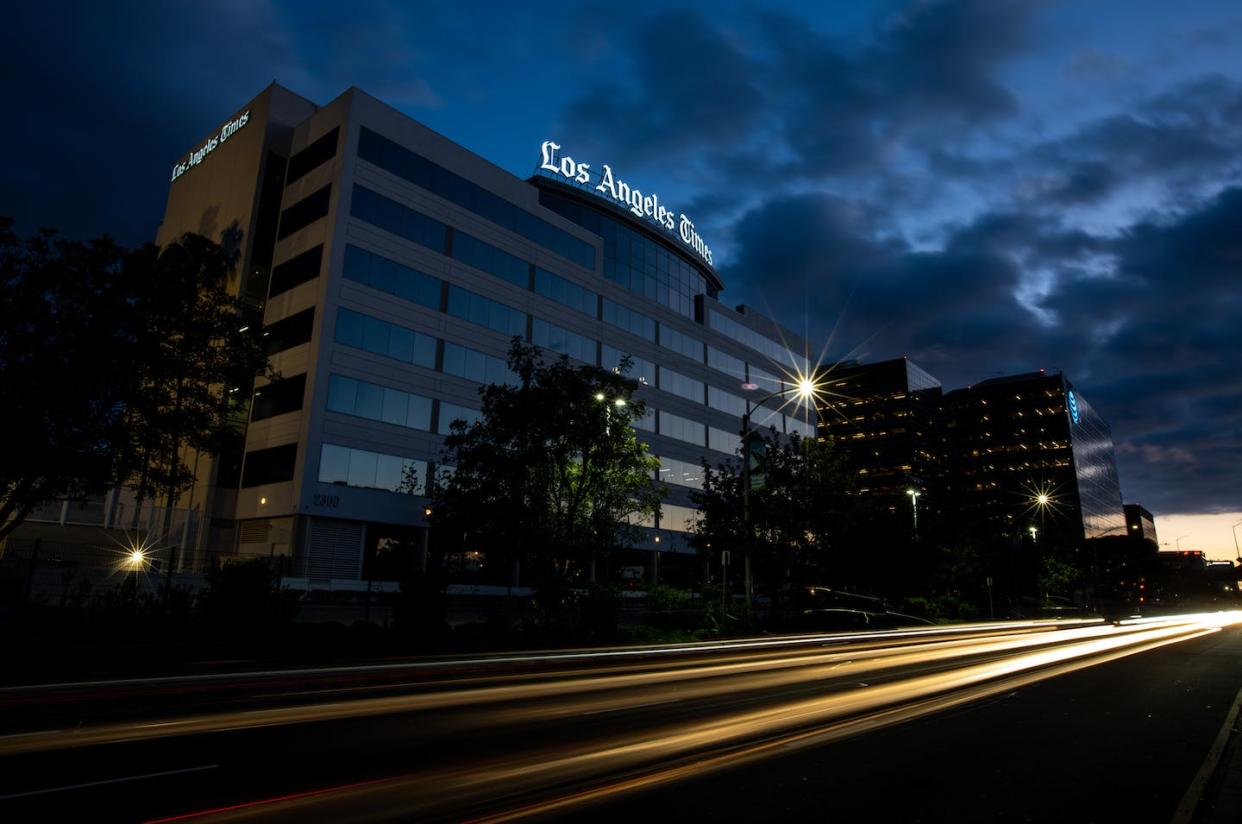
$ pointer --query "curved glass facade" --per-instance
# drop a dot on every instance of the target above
(636, 261)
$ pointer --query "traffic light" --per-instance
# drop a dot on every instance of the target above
(755, 449)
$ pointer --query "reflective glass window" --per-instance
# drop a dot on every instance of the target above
(413, 167)
(389, 276)
(634, 322)
(554, 338)
(566, 292)
(464, 304)
(681, 385)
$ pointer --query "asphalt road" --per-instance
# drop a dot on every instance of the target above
(1085, 722)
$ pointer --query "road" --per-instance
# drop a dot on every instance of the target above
(1042, 721)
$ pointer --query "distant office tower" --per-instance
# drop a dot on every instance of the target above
(1140, 524)
(1028, 452)
(884, 417)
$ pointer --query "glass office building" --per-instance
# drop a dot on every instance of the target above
(389, 269)
(1029, 451)
(885, 417)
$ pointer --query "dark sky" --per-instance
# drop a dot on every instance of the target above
(985, 186)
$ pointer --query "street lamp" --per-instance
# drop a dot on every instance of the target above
(914, 506)
(805, 388)
(1179, 541)
(1031, 529)
(1235, 541)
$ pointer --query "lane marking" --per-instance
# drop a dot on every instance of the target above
(142, 777)
(1194, 793)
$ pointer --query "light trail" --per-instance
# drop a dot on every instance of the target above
(730, 677)
(833, 705)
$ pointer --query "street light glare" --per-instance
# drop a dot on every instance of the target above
(1042, 499)
(599, 396)
(619, 402)
(806, 387)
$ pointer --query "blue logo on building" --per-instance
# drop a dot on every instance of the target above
(1073, 406)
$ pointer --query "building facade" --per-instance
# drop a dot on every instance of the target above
(1140, 524)
(1028, 452)
(389, 269)
(885, 417)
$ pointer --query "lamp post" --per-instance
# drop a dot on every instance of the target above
(1235, 541)
(805, 389)
(914, 507)
(1178, 540)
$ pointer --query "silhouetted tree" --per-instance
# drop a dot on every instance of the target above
(801, 518)
(110, 361)
(552, 472)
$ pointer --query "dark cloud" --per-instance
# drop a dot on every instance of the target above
(683, 69)
(1145, 323)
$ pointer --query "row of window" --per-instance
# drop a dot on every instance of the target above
(305, 212)
(411, 284)
(416, 169)
(746, 336)
(312, 157)
(371, 470)
(634, 260)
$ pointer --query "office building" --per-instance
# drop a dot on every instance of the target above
(885, 417)
(389, 269)
(1028, 455)
(1140, 524)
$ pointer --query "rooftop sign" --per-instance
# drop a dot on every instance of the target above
(610, 187)
(198, 155)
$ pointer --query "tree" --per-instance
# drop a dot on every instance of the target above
(110, 362)
(800, 520)
(63, 339)
(195, 365)
(552, 472)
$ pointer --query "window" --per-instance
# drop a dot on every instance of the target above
(722, 441)
(683, 429)
(466, 305)
(566, 292)
(679, 384)
(677, 518)
(400, 161)
(401, 221)
(278, 398)
(391, 277)
(749, 337)
(725, 401)
(383, 338)
(680, 342)
(629, 320)
(766, 381)
(378, 403)
(554, 338)
(305, 212)
(269, 466)
(647, 422)
(726, 363)
(289, 332)
(475, 366)
(486, 257)
(450, 412)
(643, 371)
(634, 260)
(681, 473)
(370, 470)
(312, 157)
(296, 271)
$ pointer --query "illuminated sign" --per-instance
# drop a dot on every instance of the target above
(197, 156)
(612, 187)
(1072, 403)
